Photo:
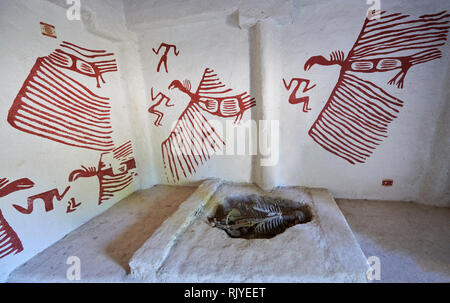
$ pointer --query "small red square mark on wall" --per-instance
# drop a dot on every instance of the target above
(48, 30)
(387, 182)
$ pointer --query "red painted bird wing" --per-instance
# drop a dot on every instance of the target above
(122, 177)
(355, 119)
(387, 35)
(9, 241)
(192, 141)
(211, 86)
(216, 98)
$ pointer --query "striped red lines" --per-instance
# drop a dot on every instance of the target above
(110, 182)
(293, 99)
(123, 151)
(193, 140)
(7, 187)
(191, 143)
(393, 33)
(9, 241)
(356, 117)
(54, 106)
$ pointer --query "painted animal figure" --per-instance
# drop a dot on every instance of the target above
(9, 241)
(207, 97)
(193, 140)
(111, 182)
(153, 110)
(356, 117)
(54, 105)
(7, 187)
(80, 61)
(293, 97)
(47, 197)
(72, 206)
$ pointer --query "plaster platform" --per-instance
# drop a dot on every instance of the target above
(185, 248)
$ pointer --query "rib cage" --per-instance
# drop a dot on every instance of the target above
(256, 216)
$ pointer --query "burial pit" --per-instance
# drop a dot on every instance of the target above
(229, 232)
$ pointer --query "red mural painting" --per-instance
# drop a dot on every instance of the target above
(48, 30)
(9, 241)
(114, 172)
(193, 139)
(54, 106)
(163, 60)
(105, 62)
(356, 117)
(47, 197)
(7, 187)
(293, 99)
(72, 205)
(160, 97)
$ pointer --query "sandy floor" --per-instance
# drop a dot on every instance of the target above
(412, 241)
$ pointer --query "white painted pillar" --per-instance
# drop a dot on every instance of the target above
(265, 86)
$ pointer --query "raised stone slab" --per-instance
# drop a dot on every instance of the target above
(187, 249)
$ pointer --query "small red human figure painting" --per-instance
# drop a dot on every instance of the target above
(7, 187)
(53, 105)
(193, 140)
(46, 197)
(160, 97)
(163, 60)
(72, 205)
(115, 171)
(9, 240)
(355, 119)
(293, 99)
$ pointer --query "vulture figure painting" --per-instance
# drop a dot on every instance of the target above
(193, 139)
(53, 105)
(355, 119)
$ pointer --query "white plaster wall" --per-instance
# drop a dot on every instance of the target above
(45, 162)
(416, 141)
(215, 45)
(252, 45)
(403, 156)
